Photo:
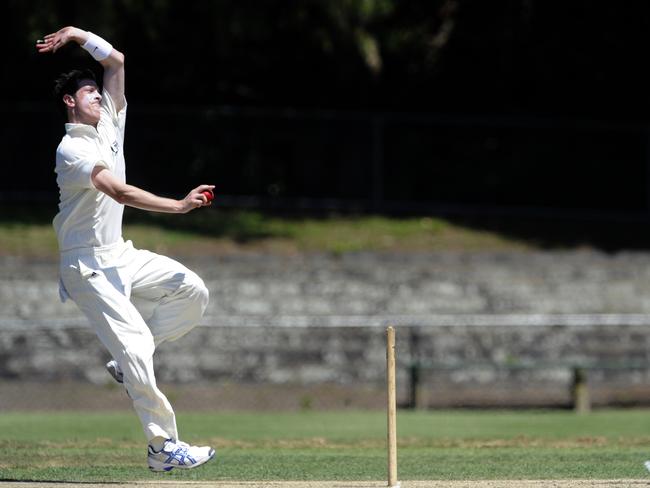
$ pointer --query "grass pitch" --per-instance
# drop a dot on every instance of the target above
(462, 445)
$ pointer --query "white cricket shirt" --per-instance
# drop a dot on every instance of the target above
(88, 217)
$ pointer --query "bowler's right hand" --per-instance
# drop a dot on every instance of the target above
(196, 198)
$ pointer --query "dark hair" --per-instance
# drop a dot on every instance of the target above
(68, 84)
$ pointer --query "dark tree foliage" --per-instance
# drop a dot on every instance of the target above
(516, 96)
(576, 58)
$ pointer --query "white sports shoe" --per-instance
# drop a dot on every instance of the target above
(114, 370)
(647, 465)
(177, 454)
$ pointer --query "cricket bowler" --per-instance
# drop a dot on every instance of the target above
(111, 282)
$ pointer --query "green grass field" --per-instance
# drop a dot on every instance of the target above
(456, 445)
(29, 232)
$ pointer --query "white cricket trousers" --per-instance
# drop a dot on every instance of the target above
(135, 300)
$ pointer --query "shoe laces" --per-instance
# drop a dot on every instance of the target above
(181, 444)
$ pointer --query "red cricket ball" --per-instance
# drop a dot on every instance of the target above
(209, 195)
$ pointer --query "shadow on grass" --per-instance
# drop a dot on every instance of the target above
(605, 234)
(27, 213)
(240, 226)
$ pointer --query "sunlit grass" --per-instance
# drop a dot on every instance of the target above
(344, 445)
(212, 231)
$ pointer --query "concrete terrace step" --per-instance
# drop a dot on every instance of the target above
(367, 284)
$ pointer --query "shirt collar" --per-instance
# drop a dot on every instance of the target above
(80, 130)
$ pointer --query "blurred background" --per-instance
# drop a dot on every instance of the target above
(477, 173)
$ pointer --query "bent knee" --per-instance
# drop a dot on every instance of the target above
(197, 290)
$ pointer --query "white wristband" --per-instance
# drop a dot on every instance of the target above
(97, 47)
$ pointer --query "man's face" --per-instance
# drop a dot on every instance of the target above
(86, 107)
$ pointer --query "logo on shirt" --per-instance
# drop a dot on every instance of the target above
(115, 147)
